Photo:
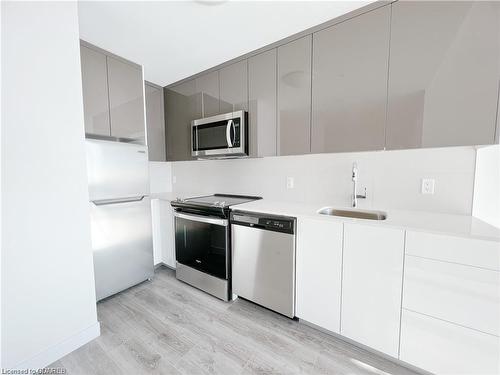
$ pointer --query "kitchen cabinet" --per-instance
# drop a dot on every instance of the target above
(163, 232)
(441, 347)
(234, 87)
(349, 84)
(182, 105)
(497, 131)
(443, 73)
(95, 92)
(155, 122)
(372, 286)
(461, 294)
(126, 100)
(467, 251)
(451, 304)
(113, 95)
(208, 92)
(262, 104)
(319, 272)
(294, 97)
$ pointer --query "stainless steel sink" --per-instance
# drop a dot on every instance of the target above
(357, 214)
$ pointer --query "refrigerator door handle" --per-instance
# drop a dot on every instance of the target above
(103, 202)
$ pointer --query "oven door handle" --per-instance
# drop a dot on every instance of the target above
(229, 126)
(202, 219)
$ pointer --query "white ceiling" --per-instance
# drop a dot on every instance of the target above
(176, 39)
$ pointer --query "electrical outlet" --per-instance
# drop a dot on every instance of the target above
(428, 185)
(290, 182)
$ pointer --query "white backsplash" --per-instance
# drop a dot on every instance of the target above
(160, 177)
(392, 178)
(487, 185)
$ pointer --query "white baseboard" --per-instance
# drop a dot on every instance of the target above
(56, 352)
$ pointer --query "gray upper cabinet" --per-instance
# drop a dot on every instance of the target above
(207, 89)
(294, 97)
(126, 100)
(182, 105)
(444, 71)
(262, 104)
(349, 84)
(155, 122)
(95, 92)
(234, 87)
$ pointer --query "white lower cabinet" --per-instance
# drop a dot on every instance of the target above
(163, 232)
(319, 272)
(441, 347)
(468, 296)
(372, 286)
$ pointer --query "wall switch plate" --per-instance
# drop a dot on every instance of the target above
(290, 182)
(174, 179)
(428, 185)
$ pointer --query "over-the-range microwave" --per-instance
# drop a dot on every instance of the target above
(221, 136)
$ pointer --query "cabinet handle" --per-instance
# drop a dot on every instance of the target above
(103, 202)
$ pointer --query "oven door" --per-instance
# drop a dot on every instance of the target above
(202, 243)
(221, 135)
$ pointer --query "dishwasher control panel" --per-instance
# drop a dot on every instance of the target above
(263, 221)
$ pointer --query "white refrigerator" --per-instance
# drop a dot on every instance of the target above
(120, 214)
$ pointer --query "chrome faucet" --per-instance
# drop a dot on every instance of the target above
(355, 195)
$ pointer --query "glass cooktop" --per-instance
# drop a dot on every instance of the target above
(220, 200)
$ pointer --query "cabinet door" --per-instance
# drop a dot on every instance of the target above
(155, 122)
(294, 97)
(234, 87)
(441, 347)
(262, 104)
(349, 84)
(319, 272)
(372, 286)
(163, 232)
(207, 89)
(182, 105)
(497, 130)
(126, 100)
(156, 230)
(168, 233)
(443, 75)
(95, 92)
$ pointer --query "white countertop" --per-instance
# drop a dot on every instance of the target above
(455, 225)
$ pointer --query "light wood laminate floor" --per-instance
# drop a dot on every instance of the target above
(168, 327)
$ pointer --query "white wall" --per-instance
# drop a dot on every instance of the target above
(160, 177)
(392, 178)
(48, 296)
(487, 185)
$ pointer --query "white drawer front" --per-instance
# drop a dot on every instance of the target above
(460, 294)
(478, 253)
(445, 348)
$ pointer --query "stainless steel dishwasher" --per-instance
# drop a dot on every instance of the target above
(263, 260)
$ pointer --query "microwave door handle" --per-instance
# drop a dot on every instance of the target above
(230, 124)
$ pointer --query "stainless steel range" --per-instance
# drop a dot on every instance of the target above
(203, 241)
